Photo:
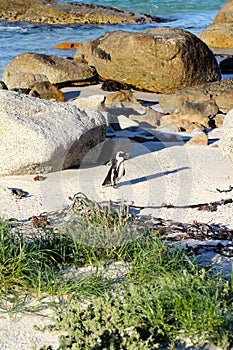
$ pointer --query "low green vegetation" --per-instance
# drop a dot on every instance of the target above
(158, 297)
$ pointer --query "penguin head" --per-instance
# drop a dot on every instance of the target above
(121, 156)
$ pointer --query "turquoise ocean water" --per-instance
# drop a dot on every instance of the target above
(16, 38)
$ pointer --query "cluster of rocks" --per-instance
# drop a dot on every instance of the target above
(52, 12)
(169, 59)
(170, 62)
(40, 136)
(41, 75)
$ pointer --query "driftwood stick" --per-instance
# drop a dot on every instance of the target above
(229, 189)
(168, 206)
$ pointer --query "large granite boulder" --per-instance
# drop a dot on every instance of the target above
(221, 92)
(220, 33)
(160, 59)
(28, 68)
(40, 136)
(52, 12)
(226, 140)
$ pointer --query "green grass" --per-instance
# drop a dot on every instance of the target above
(166, 299)
(37, 266)
(162, 297)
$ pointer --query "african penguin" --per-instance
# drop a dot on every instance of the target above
(116, 171)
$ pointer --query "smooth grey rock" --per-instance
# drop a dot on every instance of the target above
(40, 136)
(125, 122)
(22, 80)
(29, 68)
(93, 101)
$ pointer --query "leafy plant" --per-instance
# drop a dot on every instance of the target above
(167, 299)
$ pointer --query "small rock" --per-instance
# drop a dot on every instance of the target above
(67, 46)
(39, 178)
(200, 93)
(126, 123)
(47, 91)
(199, 139)
(225, 100)
(219, 119)
(186, 122)
(125, 98)
(207, 108)
(167, 129)
(150, 119)
(93, 101)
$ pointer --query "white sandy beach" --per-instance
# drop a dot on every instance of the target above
(178, 175)
(156, 173)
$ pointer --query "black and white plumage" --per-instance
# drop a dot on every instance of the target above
(116, 171)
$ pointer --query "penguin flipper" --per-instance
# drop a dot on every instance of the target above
(107, 181)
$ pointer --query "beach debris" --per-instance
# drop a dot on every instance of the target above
(39, 178)
(200, 238)
(106, 214)
(39, 221)
(204, 206)
(177, 231)
(82, 204)
(229, 189)
(207, 207)
(67, 46)
(18, 192)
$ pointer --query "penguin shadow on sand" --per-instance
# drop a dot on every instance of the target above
(150, 177)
